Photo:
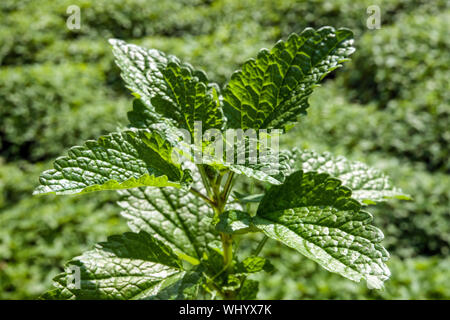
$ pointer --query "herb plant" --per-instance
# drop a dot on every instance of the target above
(177, 193)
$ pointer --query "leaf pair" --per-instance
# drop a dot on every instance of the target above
(269, 92)
(318, 212)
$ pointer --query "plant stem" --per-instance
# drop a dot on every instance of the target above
(227, 244)
(227, 239)
(201, 195)
(219, 180)
(217, 183)
(205, 180)
(218, 199)
(260, 246)
(221, 199)
(255, 253)
(227, 187)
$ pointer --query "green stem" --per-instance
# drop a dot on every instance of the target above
(227, 239)
(227, 244)
(211, 285)
(205, 180)
(227, 188)
(255, 253)
(260, 246)
(221, 200)
(201, 195)
(218, 199)
(219, 179)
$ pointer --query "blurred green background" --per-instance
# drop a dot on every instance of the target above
(389, 107)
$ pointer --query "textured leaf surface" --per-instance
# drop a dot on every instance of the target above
(175, 216)
(130, 266)
(234, 222)
(249, 290)
(271, 91)
(268, 166)
(316, 216)
(253, 264)
(248, 198)
(128, 159)
(272, 172)
(367, 184)
(168, 87)
(143, 118)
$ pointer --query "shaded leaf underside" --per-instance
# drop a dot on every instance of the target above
(175, 216)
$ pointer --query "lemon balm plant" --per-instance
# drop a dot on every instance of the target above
(184, 219)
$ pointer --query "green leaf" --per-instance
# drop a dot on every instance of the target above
(248, 198)
(235, 222)
(212, 262)
(142, 117)
(312, 213)
(368, 184)
(185, 287)
(271, 172)
(169, 88)
(232, 283)
(249, 290)
(129, 266)
(253, 264)
(272, 90)
(123, 160)
(268, 166)
(175, 216)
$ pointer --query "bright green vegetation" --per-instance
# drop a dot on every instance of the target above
(388, 108)
(183, 244)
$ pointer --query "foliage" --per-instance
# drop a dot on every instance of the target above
(38, 235)
(40, 112)
(311, 212)
(412, 130)
(417, 278)
(420, 227)
(412, 228)
(410, 81)
(406, 136)
(398, 65)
